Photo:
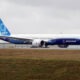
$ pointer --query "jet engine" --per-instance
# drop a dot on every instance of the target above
(38, 43)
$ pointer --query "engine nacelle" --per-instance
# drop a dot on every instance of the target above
(38, 43)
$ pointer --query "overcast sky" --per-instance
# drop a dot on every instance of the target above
(41, 16)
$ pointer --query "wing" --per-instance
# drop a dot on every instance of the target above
(16, 40)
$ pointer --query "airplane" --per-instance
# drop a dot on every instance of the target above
(39, 40)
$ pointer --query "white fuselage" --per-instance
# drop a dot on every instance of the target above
(46, 36)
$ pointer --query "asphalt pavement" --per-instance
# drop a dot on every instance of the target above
(14, 46)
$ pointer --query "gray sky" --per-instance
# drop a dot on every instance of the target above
(41, 16)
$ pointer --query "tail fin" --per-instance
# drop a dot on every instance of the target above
(3, 29)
